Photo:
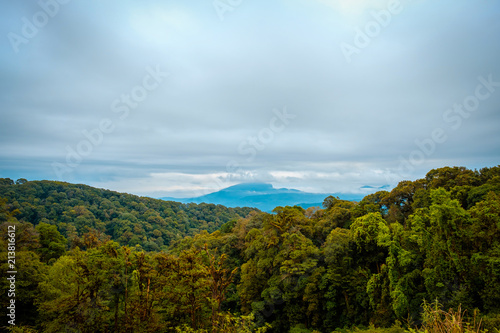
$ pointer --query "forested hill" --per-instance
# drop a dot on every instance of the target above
(414, 259)
(128, 219)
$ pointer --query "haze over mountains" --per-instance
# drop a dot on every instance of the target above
(265, 197)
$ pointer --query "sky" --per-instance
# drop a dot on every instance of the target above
(183, 98)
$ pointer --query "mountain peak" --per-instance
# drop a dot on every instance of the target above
(253, 187)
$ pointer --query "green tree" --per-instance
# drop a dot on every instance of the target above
(76, 293)
(446, 249)
(185, 288)
(485, 254)
(52, 243)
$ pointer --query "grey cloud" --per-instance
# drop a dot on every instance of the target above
(227, 77)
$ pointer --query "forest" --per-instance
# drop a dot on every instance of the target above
(423, 257)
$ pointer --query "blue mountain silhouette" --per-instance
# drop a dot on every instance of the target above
(264, 197)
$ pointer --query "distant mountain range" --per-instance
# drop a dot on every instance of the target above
(265, 197)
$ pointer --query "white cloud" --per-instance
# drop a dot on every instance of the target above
(161, 26)
(354, 7)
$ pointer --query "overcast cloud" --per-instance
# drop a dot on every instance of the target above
(182, 98)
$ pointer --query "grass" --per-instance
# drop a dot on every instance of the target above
(437, 320)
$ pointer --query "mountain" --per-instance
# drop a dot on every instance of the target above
(264, 197)
(127, 219)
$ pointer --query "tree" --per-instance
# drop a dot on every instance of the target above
(485, 251)
(6, 181)
(219, 278)
(445, 244)
(21, 181)
(185, 288)
(53, 244)
(30, 272)
(343, 284)
(76, 293)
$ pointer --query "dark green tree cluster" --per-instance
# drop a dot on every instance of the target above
(375, 262)
(126, 219)
(113, 288)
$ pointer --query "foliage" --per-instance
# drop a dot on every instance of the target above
(436, 320)
(91, 260)
(127, 219)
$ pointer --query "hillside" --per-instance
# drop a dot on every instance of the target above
(418, 255)
(264, 197)
(128, 219)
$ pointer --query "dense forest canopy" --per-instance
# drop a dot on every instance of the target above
(91, 260)
(127, 219)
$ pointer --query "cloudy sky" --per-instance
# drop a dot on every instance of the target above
(182, 98)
